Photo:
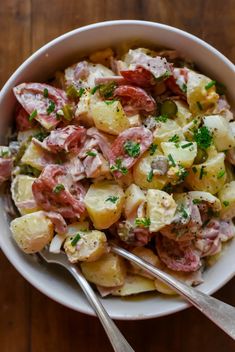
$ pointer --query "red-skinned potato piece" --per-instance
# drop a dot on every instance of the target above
(22, 120)
(43, 100)
(51, 194)
(139, 77)
(140, 135)
(137, 98)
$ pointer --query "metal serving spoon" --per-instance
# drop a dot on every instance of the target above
(117, 340)
(222, 314)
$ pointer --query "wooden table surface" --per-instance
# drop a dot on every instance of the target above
(31, 322)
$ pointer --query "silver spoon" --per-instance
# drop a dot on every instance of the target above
(117, 340)
(222, 314)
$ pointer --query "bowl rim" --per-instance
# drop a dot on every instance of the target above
(20, 267)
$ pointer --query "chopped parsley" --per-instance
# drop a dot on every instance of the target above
(109, 102)
(132, 148)
(51, 107)
(202, 172)
(150, 175)
(210, 85)
(225, 203)
(174, 139)
(145, 222)
(95, 89)
(220, 174)
(41, 135)
(106, 90)
(184, 88)
(199, 105)
(172, 161)
(182, 173)
(152, 148)
(45, 93)
(33, 115)
(197, 201)
(161, 118)
(90, 153)
(58, 188)
(220, 88)
(186, 145)
(112, 199)
(203, 137)
(75, 239)
(183, 212)
(4, 153)
(118, 167)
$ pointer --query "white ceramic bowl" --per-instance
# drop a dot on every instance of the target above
(60, 52)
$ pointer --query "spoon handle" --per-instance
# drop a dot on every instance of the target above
(222, 314)
(116, 338)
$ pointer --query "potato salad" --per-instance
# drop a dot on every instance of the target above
(134, 146)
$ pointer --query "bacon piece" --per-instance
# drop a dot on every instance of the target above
(95, 166)
(135, 98)
(102, 141)
(68, 139)
(88, 145)
(226, 231)
(178, 257)
(66, 202)
(178, 81)
(32, 98)
(134, 236)
(58, 221)
(76, 72)
(6, 166)
(139, 77)
(22, 120)
(139, 135)
(75, 169)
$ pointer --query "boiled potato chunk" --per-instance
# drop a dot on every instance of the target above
(183, 115)
(21, 191)
(23, 136)
(90, 246)
(104, 201)
(183, 152)
(161, 209)
(141, 170)
(209, 176)
(165, 130)
(163, 288)
(149, 256)
(227, 198)
(108, 271)
(83, 110)
(222, 133)
(199, 98)
(101, 56)
(206, 197)
(109, 117)
(133, 285)
(134, 197)
(32, 232)
(34, 157)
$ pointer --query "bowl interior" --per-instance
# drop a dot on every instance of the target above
(58, 54)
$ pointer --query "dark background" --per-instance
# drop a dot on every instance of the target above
(31, 322)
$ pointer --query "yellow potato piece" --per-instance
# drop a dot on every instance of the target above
(104, 201)
(21, 191)
(32, 232)
(227, 198)
(90, 247)
(182, 153)
(161, 209)
(34, 157)
(133, 285)
(134, 197)
(109, 117)
(165, 130)
(149, 256)
(108, 271)
(142, 169)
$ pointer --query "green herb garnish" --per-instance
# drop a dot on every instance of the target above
(90, 153)
(112, 199)
(109, 102)
(51, 107)
(182, 173)
(118, 167)
(152, 148)
(194, 169)
(106, 90)
(172, 161)
(183, 212)
(197, 201)
(187, 145)
(184, 88)
(41, 136)
(4, 153)
(161, 118)
(210, 84)
(199, 105)
(33, 115)
(174, 139)
(203, 137)
(132, 148)
(145, 222)
(150, 176)
(75, 239)
(58, 188)
(220, 88)
(45, 93)
(225, 203)
(220, 174)
(95, 89)
(202, 172)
